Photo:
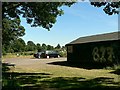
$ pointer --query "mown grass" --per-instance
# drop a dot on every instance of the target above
(60, 76)
(44, 80)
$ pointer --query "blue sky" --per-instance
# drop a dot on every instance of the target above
(81, 19)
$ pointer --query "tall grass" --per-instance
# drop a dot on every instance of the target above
(114, 67)
(18, 54)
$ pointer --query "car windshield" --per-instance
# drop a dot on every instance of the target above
(51, 52)
(39, 52)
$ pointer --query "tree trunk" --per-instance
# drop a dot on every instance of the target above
(0, 45)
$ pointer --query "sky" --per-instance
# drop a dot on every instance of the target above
(79, 20)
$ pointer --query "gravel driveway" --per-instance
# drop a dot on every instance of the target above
(34, 64)
(33, 61)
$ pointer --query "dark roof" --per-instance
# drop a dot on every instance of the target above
(97, 38)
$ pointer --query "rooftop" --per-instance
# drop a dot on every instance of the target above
(97, 38)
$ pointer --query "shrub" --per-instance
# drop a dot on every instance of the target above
(4, 52)
(63, 53)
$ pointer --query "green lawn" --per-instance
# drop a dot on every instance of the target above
(48, 76)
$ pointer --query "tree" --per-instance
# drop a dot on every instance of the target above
(58, 46)
(38, 46)
(49, 47)
(11, 30)
(45, 13)
(64, 48)
(31, 46)
(44, 46)
(19, 45)
(36, 13)
(110, 8)
(42, 14)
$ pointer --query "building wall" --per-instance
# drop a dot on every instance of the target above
(106, 52)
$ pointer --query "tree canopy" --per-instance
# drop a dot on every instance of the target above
(42, 14)
(11, 30)
(110, 8)
(36, 13)
(45, 13)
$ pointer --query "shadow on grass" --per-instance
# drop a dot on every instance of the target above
(18, 81)
(79, 65)
(43, 81)
(80, 83)
(5, 67)
(117, 71)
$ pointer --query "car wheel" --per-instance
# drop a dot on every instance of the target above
(58, 56)
(39, 56)
(48, 56)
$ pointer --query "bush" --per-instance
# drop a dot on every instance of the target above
(4, 52)
(113, 67)
(116, 67)
(63, 53)
(27, 53)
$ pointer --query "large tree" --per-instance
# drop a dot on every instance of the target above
(42, 14)
(44, 46)
(36, 13)
(45, 13)
(30, 46)
(38, 47)
(49, 47)
(11, 30)
(110, 8)
(58, 46)
(19, 45)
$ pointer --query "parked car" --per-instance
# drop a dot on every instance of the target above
(38, 54)
(50, 53)
(47, 54)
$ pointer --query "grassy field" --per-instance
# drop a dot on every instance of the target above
(14, 55)
(57, 74)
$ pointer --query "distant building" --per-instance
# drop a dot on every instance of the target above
(102, 48)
